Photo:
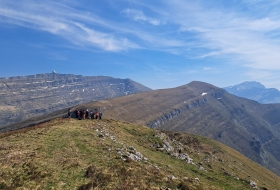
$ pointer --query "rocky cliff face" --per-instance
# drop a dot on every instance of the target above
(28, 96)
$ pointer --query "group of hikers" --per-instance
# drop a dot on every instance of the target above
(85, 114)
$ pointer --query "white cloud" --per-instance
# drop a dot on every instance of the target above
(192, 29)
(257, 74)
(245, 39)
(64, 22)
(138, 15)
(105, 41)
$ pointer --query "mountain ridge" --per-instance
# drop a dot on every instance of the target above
(204, 109)
(198, 108)
(255, 91)
(24, 97)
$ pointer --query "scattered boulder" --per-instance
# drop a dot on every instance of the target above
(183, 156)
(132, 148)
(137, 156)
(101, 135)
(172, 177)
(253, 184)
(132, 154)
(227, 173)
(167, 146)
(202, 168)
(165, 188)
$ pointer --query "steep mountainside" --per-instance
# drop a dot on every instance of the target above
(28, 96)
(109, 154)
(199, 108)
(255, 91)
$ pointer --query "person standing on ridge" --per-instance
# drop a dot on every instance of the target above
(69, 113)
(87, 114)
(76, 113)
(79, 115)
(96, 115)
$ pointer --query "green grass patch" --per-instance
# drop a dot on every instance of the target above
(72, 154)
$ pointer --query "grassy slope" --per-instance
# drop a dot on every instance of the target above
(69, 154)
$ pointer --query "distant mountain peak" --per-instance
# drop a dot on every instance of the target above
(252, 84)
(255, 91)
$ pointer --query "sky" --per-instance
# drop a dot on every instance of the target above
(158, 43)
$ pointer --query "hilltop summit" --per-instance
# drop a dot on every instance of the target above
(110, 154)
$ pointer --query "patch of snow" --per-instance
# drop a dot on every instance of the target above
(26, 83)
(49, 81)
(185, 102)
(204, 93)
(92, 89)
(62, 86)
(83, 90)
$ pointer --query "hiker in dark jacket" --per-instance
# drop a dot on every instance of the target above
(76, 112)
(69, 113)
(87, 114)
(82, 114)
(79, 115)
(91, 114)
(100, 115)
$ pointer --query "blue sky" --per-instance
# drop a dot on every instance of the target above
(159, 43)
